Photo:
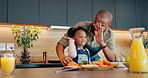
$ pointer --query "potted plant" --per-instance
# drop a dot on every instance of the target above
(145, 42)
(24, 36)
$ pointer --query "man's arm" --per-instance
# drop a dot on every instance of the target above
(60, 52)
(109, 54)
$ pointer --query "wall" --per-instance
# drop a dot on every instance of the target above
(47, 42)
(49, 38)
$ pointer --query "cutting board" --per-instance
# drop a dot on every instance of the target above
(96, 69)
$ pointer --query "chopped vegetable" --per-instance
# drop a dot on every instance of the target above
(98, 63)
(72, 64)
(105, 62)
(104, 66)
(102, 63)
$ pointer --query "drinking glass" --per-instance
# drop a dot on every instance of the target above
(7, 63)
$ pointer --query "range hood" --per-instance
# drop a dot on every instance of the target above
(52, 27)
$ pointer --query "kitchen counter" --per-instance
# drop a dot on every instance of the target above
(51, 73)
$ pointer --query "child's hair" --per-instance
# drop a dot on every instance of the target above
(72, 31)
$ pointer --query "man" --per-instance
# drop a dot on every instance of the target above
(99, 36)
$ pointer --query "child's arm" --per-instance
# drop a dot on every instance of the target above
(72, 48)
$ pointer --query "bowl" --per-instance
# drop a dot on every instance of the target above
(115, 65)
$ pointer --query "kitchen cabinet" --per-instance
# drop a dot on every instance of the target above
(104, 5)
(146, 14)
(3, 12)
(140, 12)
(53, 12)
(23, 11)
(125, 14)
(79, 10)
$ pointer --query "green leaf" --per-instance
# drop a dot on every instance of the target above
(31, 45)
(18, 41)
(24, 35)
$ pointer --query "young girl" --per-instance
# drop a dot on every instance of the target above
(77, 39)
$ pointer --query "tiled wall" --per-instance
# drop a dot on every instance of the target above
(49, 38)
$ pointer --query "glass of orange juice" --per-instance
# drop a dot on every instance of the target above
(7, 63)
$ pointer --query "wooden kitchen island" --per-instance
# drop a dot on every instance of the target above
(51, 73)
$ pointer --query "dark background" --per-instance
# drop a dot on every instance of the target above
(127, 13)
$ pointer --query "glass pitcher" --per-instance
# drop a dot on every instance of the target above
(138, 56)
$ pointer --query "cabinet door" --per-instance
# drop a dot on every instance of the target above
(125, 14)
(146, 14)
(23, 11)
(3, 12)
(104, 5)
(52, 12)
(140, 12)
(79, 10)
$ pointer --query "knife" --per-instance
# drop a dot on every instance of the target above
(63, 70)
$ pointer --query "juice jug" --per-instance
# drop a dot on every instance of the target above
(138, 56)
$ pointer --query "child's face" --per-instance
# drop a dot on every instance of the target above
(80, 38)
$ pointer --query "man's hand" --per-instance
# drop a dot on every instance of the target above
(99, 34)
(65, 60)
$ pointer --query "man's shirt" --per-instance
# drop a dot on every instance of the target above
(91, 44)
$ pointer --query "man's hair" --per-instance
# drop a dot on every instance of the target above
(105, 14)
(72, 31)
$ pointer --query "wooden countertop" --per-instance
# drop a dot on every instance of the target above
(51, 73)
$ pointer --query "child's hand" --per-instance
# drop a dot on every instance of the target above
(68, 38)
(65, 60)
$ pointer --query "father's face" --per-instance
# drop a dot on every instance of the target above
(101, 22)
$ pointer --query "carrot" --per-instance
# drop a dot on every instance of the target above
(98, 63)
(103, 66)
(105, 62)
(72, 64)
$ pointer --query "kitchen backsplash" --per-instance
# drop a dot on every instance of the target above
(48, 39)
